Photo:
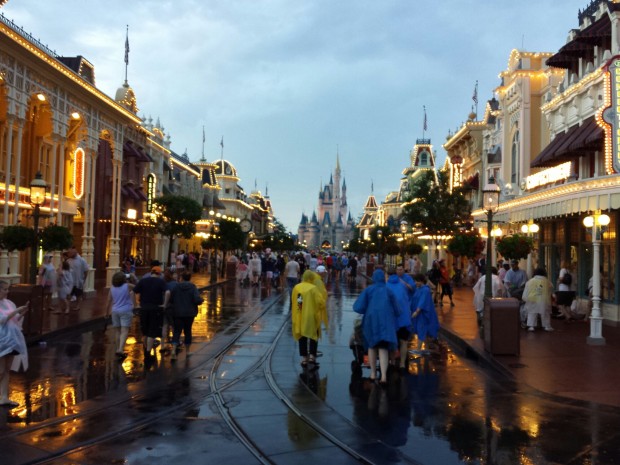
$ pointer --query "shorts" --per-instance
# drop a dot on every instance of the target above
(76, 291)
(151, 320)
(122, 319)
(565, 297)
(403, 334)
(168, 315)
(446, 289)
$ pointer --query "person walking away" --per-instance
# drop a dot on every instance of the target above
(150, 292)
(434, 275)
(537, 298)
(185, 300)
(47, 279)
(564, 294)
(444, 280)
(403, 289)
(308, 312)
(12, 342)
(256, 267)
(353, 266)
(119, 306)
(171, 279)
(79, 271)
(291, 272)
(64, 285)
(424, 322)
(379, 306)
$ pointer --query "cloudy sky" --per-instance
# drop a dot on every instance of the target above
(288, 83)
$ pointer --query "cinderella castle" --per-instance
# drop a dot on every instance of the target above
(332, 227)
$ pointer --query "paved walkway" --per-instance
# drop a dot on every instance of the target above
(558, 363)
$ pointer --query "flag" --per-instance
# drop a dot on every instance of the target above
(127, 46)
(475, 96)
(222, 142)
(425, 120)
(203, 135)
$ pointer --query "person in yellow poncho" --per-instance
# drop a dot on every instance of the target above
(308, 311)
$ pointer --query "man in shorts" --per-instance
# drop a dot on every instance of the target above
(150, 292)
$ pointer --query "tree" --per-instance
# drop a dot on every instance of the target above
(229, 237)
(175, 215)
(55, 237)
(16, 237)
(279, 239)
(433, 208)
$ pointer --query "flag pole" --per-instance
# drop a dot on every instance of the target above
(203, 144)
(222, 145)
(126, 52)
(475, 98)
(425, 124)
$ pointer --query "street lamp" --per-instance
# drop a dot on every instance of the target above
(38, 187)
(597, 223)
(215, 228)
(380, 240)
(529, 230)
(404, 226)
(490, 195)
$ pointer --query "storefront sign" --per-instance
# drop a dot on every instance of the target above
(549, 176)
(78, 173)
(150, 192)
(607, 117)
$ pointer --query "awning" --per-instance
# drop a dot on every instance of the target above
(144, 156)
(140, 195)
(576, 142)
(130, 151)
(595, 32)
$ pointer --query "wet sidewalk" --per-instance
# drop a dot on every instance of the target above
(558, 363)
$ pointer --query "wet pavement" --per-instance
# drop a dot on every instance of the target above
(241, 397)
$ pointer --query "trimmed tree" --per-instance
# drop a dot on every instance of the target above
(175, 216)
(16, 237)
(55, 237)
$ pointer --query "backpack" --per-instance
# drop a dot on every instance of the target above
(567, 279)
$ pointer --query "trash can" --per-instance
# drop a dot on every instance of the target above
(231, 270)
(502, 328)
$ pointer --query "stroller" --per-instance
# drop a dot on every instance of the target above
(356, 344)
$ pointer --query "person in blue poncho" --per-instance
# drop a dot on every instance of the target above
(403, 287)
(424, 317)
(379, 306)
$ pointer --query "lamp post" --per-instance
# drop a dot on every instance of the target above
(380, 240)
(597, 223)
(215, 228)
(403, 230)
(490, 205)
(38, 187)
(530, 229)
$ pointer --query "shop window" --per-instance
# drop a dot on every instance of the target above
(560, 232)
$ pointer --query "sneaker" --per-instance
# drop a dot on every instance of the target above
(531, 328)
(73, 298)
(549, 329)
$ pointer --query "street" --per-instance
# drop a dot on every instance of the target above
(242, 397)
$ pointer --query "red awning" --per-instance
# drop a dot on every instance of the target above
(576, 142)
